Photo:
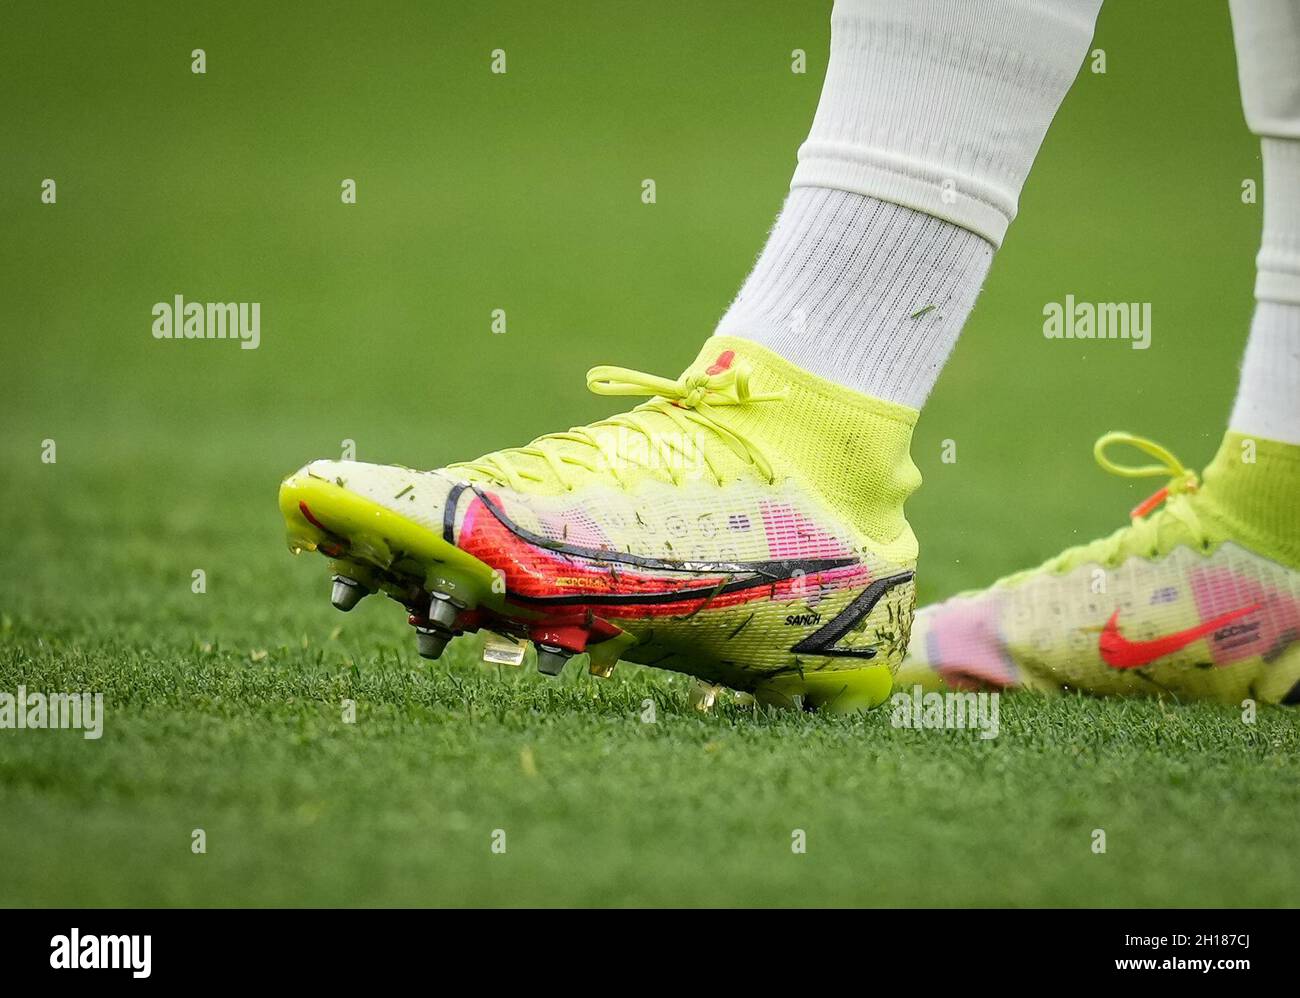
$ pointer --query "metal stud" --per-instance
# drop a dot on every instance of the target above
(430, 641)
(443, 610)
(551, 659)
(346, 593)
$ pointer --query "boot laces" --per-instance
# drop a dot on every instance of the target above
(1166, 516)
(683, 407)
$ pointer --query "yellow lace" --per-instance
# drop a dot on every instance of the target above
(1150, 528)
(687, 403)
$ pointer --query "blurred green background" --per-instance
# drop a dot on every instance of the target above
(521, 192)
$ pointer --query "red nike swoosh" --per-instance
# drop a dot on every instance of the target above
(1119, 652)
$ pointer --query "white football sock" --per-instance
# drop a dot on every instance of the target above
(862, 292)
(1268, 396)
(930, 116)
(1267, 35)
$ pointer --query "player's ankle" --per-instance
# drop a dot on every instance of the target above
(1252, 484)
(853, 449)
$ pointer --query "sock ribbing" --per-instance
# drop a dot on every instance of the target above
(1278, 262)
(868, 294)
(1268, 395)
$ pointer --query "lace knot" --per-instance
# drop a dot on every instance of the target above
(695, 390)
(690, 391)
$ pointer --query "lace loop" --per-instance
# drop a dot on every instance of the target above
(1181, 479)
(1168, 517)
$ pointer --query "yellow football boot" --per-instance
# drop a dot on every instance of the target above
(1199, 597)
(744, 526)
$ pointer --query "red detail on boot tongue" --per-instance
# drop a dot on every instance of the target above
(722, 363)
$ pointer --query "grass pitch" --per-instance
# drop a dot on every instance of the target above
(522, 192)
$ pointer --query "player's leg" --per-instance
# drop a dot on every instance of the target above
(1200, 596)
(747, 524)
(930, 117)
(1268, 60)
